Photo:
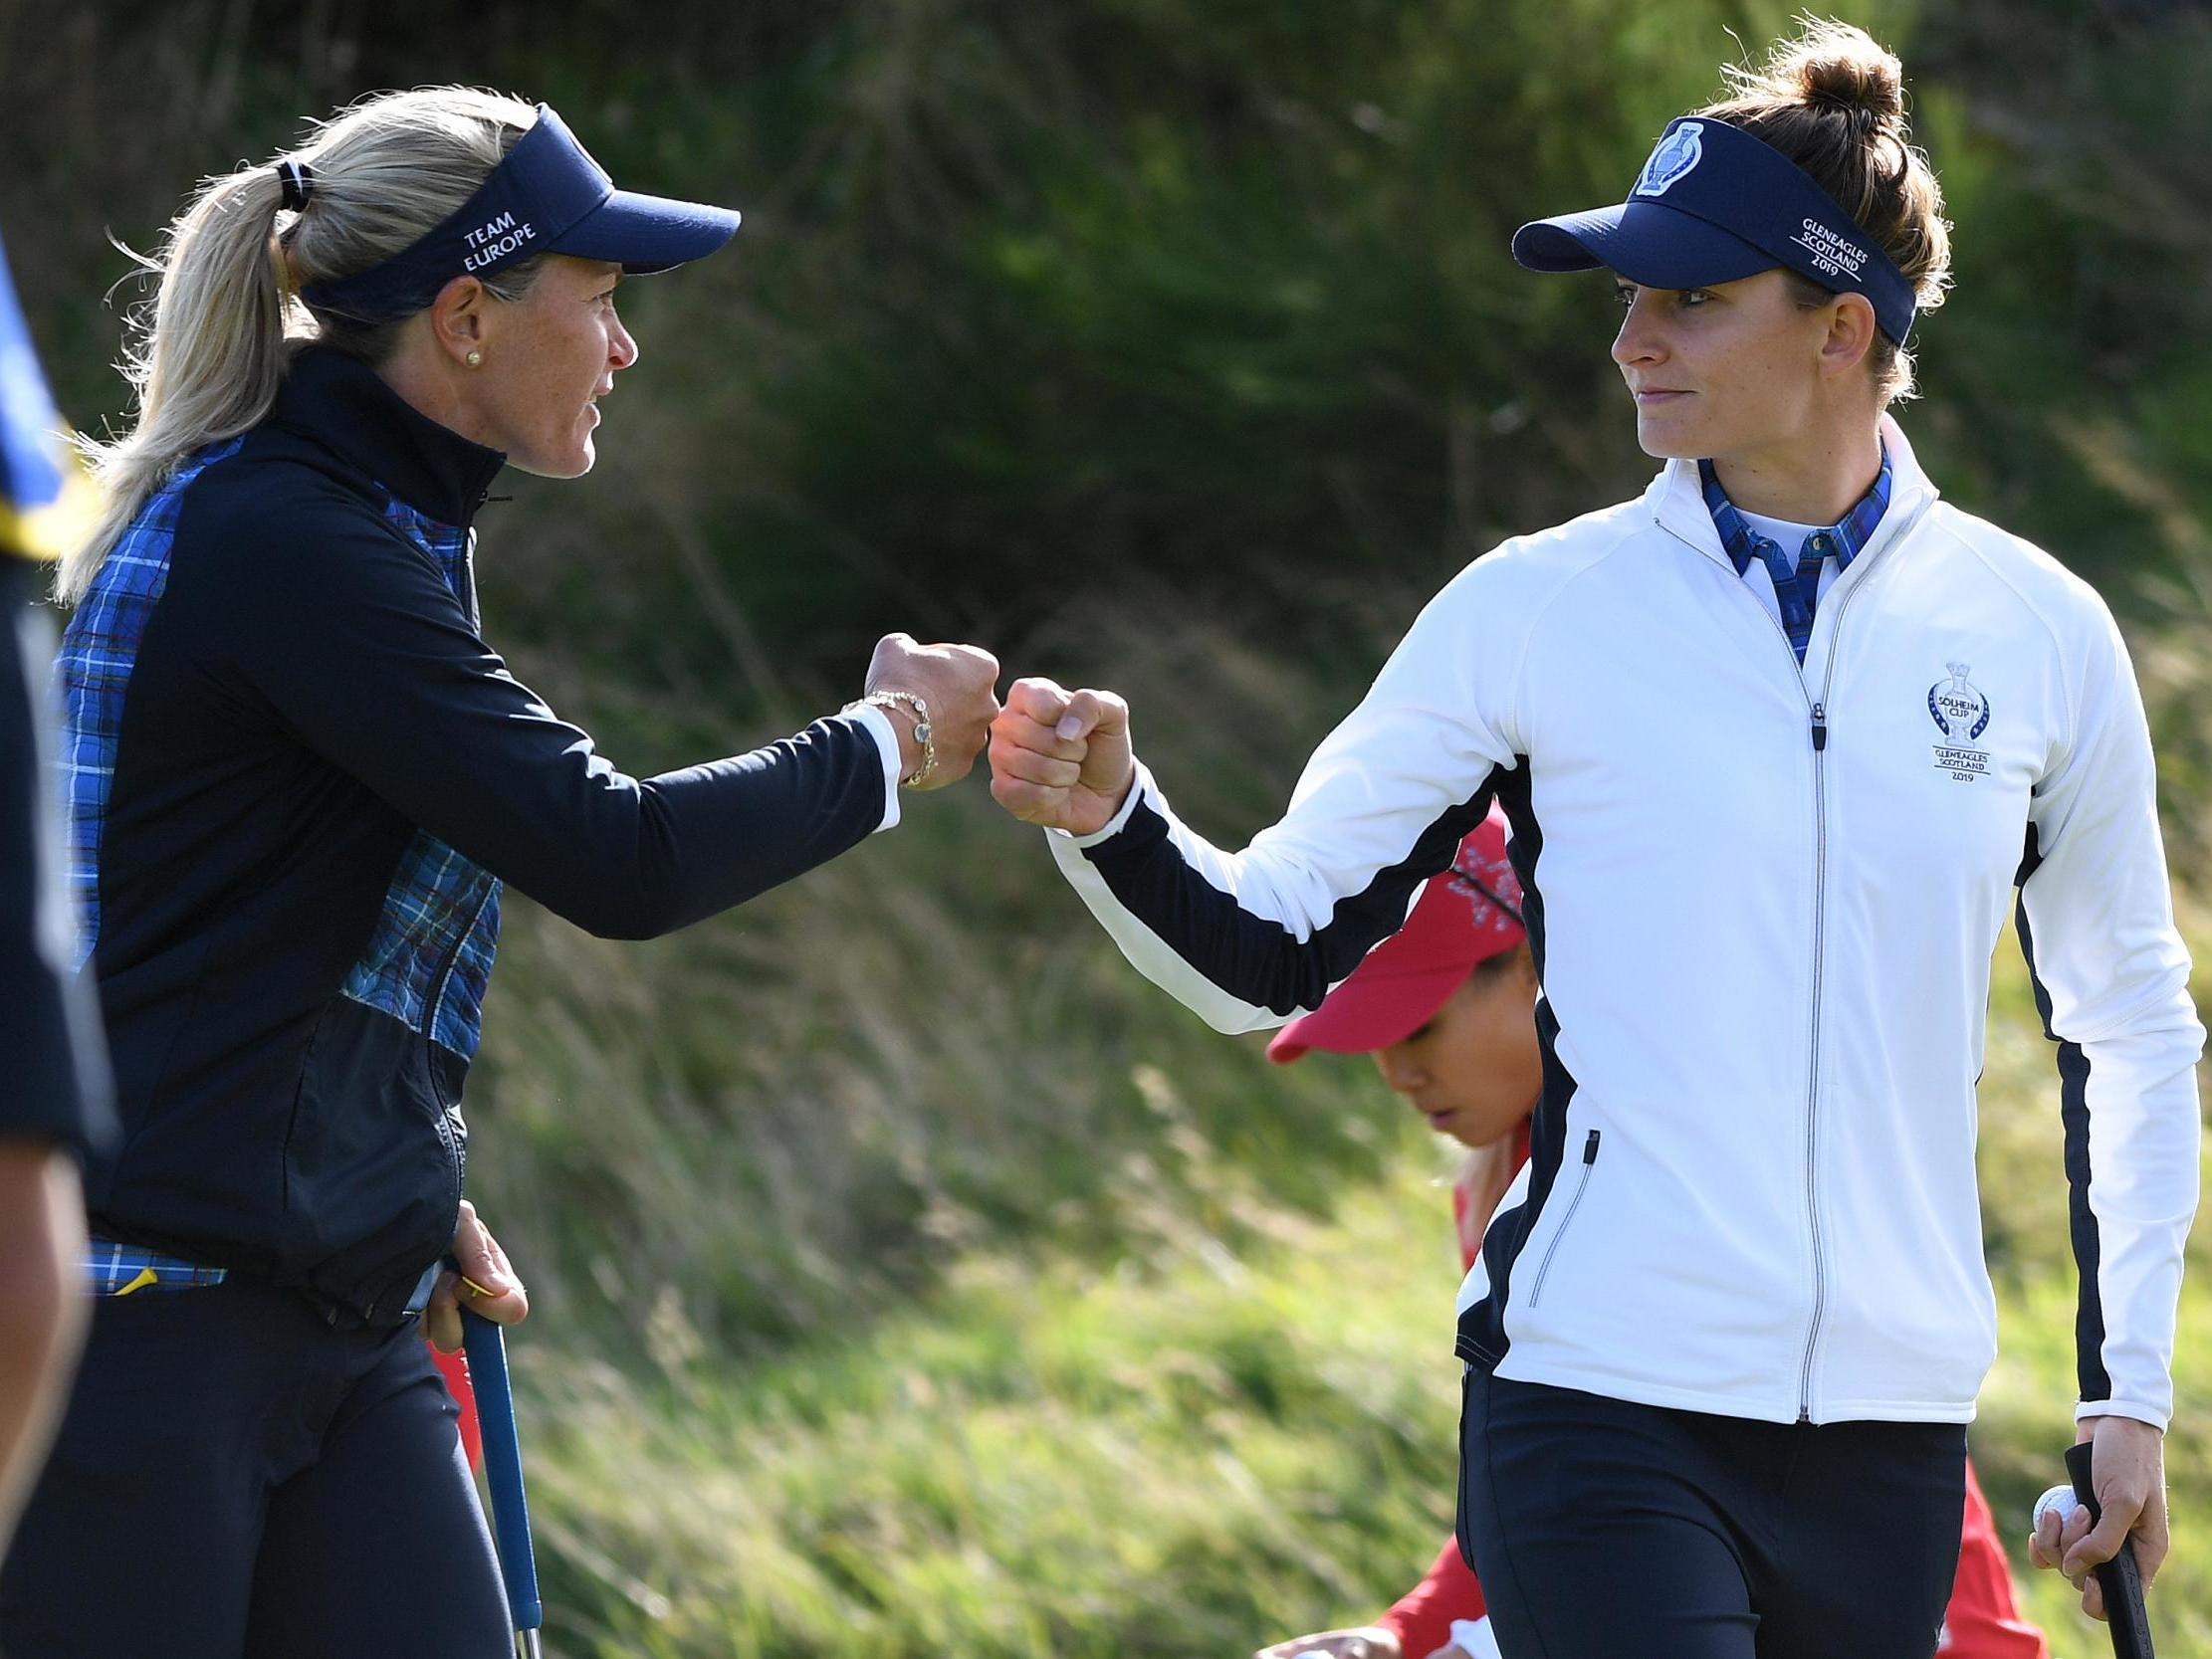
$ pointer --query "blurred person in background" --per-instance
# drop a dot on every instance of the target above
(53, 1102)
(1445, 1007)
(1778, 740)
(296, 778)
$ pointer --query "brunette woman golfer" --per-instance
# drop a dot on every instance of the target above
(296, 777)
(1444, 1007)
(1726, 1330)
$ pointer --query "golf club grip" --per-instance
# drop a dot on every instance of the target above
(486, 1348)
(2120, 1577)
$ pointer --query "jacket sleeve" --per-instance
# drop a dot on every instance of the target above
(2111, 979)
(1249, 940)
(364, 654)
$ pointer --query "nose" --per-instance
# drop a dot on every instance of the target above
(621, 347)
(1399, 1069)
(1639, 341)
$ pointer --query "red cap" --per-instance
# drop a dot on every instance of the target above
(1464, 916)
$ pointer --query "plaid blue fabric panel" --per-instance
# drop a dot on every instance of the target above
(112, 1269)
(92, 673)
(429, 957)
(431, 953)
(1796, 585)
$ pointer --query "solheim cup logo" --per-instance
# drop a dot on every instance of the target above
(1961, 713)
(1959, 710)
(1678, 152)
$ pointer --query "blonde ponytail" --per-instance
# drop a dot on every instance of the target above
(212, 358)
(226, 317)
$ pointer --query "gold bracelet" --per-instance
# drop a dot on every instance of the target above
(920, 712)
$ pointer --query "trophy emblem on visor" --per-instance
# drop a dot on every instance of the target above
(1681, 150)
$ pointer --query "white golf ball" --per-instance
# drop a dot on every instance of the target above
(2061, 1500)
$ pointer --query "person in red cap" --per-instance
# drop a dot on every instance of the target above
(1444, 1007)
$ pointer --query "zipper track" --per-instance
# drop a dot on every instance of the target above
(1816, 712)
(1813, 1047)
(456, 1160)
(1543, 1268)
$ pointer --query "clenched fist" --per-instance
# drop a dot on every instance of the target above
(959, 682)
(1061, 758)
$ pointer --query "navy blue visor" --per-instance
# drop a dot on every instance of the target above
(1715, 204)
(547, 196)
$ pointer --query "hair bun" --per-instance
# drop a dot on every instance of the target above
(1838, 64)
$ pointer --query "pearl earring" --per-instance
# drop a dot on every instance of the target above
(475, 360)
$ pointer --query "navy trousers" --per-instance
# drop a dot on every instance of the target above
(235, 1479)
(1605, 1529)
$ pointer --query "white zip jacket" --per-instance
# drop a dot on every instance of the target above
(1763, 901)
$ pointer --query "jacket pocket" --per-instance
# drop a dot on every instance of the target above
(371, 1166)
(1582, 1189)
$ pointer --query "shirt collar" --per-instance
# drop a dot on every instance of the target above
(1675, 497)
(1848, 535)
(344, 406)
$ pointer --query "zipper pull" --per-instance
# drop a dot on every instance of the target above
(1819, 726)
(1589, 1149)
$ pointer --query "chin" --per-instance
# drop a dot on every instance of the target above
(573, 464)
(1661, 440)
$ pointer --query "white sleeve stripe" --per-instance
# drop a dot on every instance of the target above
(1192, 906)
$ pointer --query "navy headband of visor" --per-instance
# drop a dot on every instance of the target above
(1715, 204)
(547, 196)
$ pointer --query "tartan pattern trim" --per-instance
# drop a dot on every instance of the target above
(1796, 585)
(92, 673)
(429, 957)
(112, 1269)
(440, 909)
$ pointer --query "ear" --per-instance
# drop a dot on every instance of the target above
(457, 319)
(1850, 334)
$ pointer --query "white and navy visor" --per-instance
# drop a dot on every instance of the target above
(547, 196)
(1712, 205)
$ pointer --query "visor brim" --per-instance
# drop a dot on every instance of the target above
(1360, 1016)
(645, 234)
(1647, 242)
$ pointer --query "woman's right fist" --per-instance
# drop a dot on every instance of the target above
(1061, 758)
(959, 682)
